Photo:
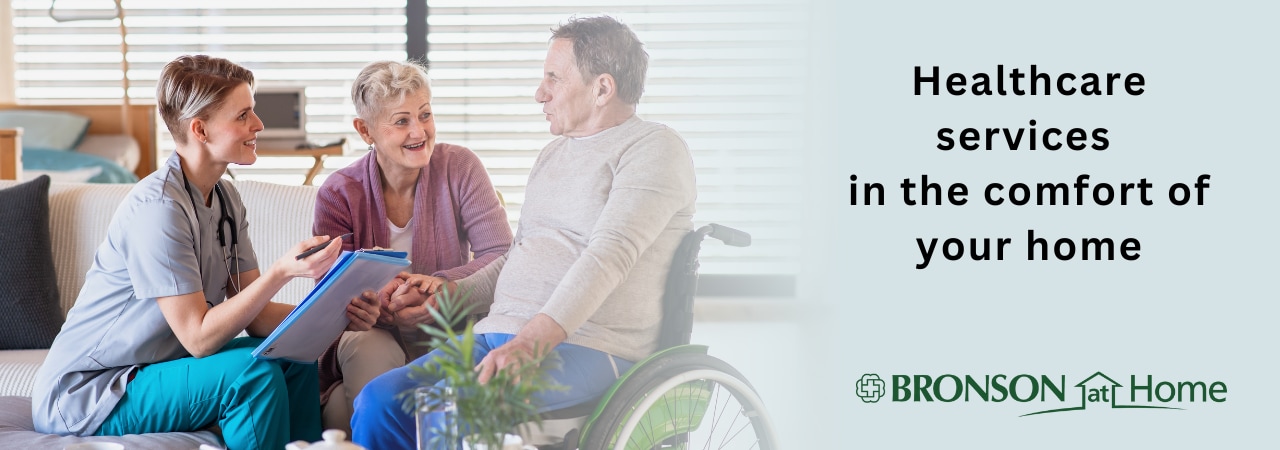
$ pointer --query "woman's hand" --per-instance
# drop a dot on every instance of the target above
(313, 266)
(363, 311)
(385, 317)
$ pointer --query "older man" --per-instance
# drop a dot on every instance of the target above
(606, 205)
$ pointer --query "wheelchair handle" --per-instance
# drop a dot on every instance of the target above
(729, 236)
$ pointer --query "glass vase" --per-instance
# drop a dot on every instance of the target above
(436, 415)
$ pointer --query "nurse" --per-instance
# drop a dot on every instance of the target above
(150, 345)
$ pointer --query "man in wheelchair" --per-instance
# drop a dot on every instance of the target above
(606, 205)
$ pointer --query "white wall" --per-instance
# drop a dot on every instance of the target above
(7, 67)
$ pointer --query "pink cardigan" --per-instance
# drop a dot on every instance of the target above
(456, 213)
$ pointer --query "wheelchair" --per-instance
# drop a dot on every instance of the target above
(679, 397)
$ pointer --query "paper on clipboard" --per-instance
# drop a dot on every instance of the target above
(322, 315)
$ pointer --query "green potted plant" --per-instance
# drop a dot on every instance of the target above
(485, 413)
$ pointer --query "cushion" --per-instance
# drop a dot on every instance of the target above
(279, 216)
(18, 371)
(121, 149)
(31, 317)
(16, 432)
(46, 129)
(56, 160)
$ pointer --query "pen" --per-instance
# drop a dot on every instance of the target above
(313, 250)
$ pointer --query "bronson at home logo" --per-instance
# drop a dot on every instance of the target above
(1098, 391)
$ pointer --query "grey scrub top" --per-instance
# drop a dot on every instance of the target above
(158, 244)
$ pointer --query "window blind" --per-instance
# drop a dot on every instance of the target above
(319, 44)
(726, 75)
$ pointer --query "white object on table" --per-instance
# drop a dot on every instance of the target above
(509, 442)
(333, 440)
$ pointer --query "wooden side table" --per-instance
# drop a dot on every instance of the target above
(11, 154)
(318, 153)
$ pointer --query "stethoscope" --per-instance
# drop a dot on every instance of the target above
(227, 221)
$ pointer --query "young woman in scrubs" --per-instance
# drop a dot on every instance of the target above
(150, 345)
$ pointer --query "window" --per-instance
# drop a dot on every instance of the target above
(321, 44)
(725, 74)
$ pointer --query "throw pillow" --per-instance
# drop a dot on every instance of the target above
(55, 130)
(29, 313)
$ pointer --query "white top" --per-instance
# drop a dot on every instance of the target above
(402, 238)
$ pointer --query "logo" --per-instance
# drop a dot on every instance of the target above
(870, 388)
(1053, 393)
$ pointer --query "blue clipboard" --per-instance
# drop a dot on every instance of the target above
(320, 318)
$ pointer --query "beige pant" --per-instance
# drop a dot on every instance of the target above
(362, 356)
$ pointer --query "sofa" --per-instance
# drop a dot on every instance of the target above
(78, 214)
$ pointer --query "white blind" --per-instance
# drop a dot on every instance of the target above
(725, 74)
(320, 44)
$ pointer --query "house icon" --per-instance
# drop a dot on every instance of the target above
(1098, 388)
(1095, 388)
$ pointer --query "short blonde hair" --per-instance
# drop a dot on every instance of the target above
(194, 86)
(382, 81)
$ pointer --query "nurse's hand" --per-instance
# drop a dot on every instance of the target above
(363, 312)
(313, 266)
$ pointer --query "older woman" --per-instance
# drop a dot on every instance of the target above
(412, 194)
(150, 344)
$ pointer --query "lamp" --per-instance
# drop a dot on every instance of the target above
(118, 13)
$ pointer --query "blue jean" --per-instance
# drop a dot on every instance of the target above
(258, 404)
(380, 423)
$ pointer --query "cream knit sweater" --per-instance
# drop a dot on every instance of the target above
(601, 220)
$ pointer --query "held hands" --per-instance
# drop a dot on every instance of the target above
(408, 304)
(313, 266)
(385, 317)
(363, 311)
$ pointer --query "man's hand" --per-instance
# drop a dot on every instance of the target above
(363, 312)
(510, 357)
(425, 284)
(536, 339)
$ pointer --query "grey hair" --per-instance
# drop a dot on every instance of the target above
(193, 86)
(381, 81)
(602, 45)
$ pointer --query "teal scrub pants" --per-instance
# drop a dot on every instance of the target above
(258, 404)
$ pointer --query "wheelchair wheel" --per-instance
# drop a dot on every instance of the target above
(682, 401)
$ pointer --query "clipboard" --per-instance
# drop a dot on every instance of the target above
(322, 315)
